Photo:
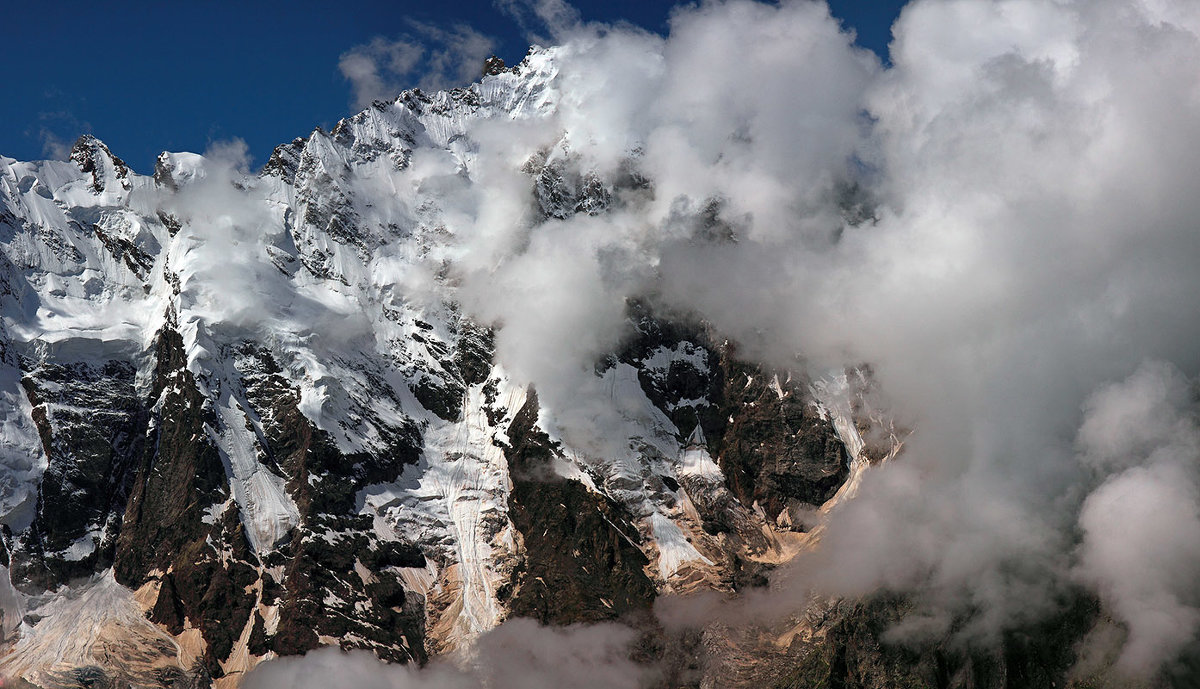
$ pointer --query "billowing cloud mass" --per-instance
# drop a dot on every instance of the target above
(1004, 223)
(518, 655)
(1141, 545)
(430, 56)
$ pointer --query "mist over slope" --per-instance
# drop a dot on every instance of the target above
(1023, 287)
(1002, 225)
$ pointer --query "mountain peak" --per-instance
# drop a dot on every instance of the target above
(493, 65)
(93, 156)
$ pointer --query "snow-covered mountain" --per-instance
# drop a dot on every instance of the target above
(244, 415)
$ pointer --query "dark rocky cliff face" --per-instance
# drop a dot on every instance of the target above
(142, 479)
(213, 578)
(771, 442)
(91, 423)
(137, 485)
(179, 474)
(581, 562)
(777, 451)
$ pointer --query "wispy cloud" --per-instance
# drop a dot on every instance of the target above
(542, 21)
(429, 56)
(53, 147)
(57, 130)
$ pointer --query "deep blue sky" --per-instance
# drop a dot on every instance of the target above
(154, 76)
